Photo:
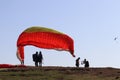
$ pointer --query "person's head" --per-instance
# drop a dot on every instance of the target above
(84, 59)
(40, 52)
(36, 52)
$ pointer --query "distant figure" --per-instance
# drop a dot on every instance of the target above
(35, 59)
(77, 62)
(86, 63)
(40, 58)
(115, 38)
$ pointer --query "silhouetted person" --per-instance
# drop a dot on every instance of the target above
(35, 59)
(77, 62)
(40, 58)
(86, 63)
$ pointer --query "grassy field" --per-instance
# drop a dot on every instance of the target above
(59, 73)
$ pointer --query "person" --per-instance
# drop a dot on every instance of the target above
(35, 58)
(77, 62)
(86, 63)
(40, 58)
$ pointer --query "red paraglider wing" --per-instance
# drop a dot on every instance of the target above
(44, 38)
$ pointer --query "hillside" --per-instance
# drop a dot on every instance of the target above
(59, 73)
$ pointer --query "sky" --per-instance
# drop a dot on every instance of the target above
(92, 24)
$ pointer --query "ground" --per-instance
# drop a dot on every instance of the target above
(59, 73)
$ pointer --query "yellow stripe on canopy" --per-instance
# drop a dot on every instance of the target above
(41, 29)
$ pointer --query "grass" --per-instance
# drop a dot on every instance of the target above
(55, 73)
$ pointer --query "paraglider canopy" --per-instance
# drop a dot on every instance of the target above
(43, 38)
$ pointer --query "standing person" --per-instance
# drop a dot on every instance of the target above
(35, 58)
(77, 62)
(40, 58)
(86, 63)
